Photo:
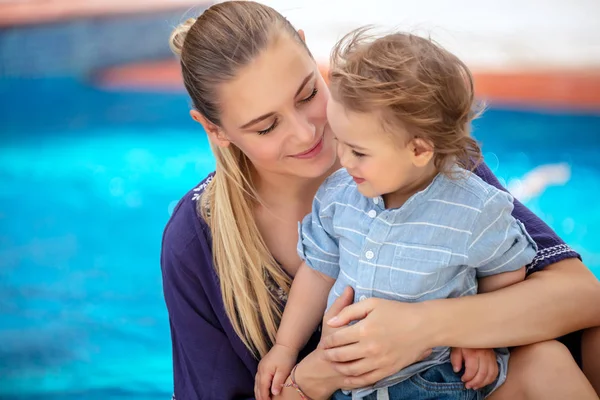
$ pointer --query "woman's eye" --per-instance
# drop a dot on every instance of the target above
(269, 129)
(311, 96)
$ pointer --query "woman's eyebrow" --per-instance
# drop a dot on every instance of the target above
(258, 119)
(265, 116)
(304, 82)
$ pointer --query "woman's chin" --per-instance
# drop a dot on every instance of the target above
(319, 166)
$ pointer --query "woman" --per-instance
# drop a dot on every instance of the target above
(228, 253)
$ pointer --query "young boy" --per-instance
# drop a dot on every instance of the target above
(405, 219)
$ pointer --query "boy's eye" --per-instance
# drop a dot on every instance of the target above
(357, 154)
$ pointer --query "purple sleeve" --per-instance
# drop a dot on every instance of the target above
(208, 362)
(551, 248)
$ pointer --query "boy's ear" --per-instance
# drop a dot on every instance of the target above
(422, 151)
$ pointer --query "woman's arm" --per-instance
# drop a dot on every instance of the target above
(562, 298)
(205, 363)
(392, 335)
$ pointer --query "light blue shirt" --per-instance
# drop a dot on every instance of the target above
(435, 246)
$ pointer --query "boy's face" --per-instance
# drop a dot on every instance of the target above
(381, 163)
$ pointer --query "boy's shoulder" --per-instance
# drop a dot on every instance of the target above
(337, 184)
(338, 177)
(470, 187)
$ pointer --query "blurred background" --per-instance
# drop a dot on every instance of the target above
(96, 147)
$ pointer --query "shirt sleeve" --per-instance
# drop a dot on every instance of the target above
(551, 248)
(499, 243)
(317, 244)
(205, 364)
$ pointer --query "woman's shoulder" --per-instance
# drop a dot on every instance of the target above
(186, 233)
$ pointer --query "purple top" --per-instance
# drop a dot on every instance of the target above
(209, 360)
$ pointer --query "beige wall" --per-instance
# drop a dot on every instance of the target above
(489, 34)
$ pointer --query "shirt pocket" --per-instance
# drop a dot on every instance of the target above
(416, 270)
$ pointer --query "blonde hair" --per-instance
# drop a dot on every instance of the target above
(212, 49)
(414, 83)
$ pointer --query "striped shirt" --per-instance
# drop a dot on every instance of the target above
(435, 246)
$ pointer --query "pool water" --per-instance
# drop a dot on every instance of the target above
(89, 178)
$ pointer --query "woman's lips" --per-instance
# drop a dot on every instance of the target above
(312, 152)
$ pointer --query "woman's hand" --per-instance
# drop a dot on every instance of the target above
(388, 336)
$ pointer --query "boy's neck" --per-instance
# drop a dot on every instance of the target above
(421, 182)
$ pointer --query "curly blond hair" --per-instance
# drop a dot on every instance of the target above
(413, 83)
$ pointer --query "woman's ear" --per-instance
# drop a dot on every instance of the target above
(215, 133)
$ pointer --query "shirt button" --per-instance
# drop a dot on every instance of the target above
(372, 213)
(376, 200)
(362, 298)
(369, 254)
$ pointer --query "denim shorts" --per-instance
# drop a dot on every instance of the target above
(438, 382)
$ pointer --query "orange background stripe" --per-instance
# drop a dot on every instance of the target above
(560, 88)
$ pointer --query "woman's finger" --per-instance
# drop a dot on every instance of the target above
(342, 337)
(343, 301)
(351, 313)
(355, 382)
(344, 354)
(355, 368)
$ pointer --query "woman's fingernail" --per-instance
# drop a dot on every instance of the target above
(456, 369)
(332, 320)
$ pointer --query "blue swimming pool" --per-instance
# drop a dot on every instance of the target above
(87, 181)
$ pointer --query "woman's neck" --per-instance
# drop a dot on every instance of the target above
(278, 191)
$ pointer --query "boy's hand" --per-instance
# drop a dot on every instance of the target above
(273, 370)
(481, 367)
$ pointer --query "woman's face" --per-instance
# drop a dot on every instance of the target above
(275, 111)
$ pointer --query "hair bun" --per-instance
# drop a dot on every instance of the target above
(179, 34)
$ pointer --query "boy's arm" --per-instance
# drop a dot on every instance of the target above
(500, 246)
(495, 282)
(305, 307)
